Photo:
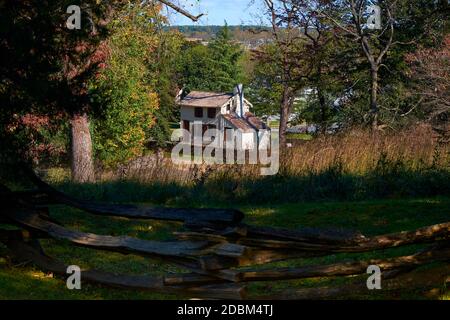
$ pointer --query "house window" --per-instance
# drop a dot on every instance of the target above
(186, 125)
(198, 112)
(212, 112)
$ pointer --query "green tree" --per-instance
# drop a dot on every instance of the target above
(215, 67)
(225, 57)
(405, 26)
(123, 90)
(195, 68)
(265, 89)
(47, 66)
(164, 79)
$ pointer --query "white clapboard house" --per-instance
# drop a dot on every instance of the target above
(223, 111)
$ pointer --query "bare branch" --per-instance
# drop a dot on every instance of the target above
(391, 37)
(181, 10)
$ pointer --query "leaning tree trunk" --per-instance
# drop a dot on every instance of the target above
(321, 96)
(374, 96)
(81, 143)
(285, 110)
(323, 107)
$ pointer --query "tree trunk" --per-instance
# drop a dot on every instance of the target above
(284, 115)
(321, 96)
(323, 109)
(374, 97)
(81, 143)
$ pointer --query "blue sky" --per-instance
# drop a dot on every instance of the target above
(235, 12)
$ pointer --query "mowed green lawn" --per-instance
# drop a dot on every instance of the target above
(371, 218)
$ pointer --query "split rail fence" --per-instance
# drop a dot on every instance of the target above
(222, 253)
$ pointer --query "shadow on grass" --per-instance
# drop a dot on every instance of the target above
(333, 184)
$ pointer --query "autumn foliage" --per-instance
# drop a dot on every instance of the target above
(430, 71)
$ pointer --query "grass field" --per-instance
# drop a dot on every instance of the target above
(299, 136)
(371, 218)
(373, 183)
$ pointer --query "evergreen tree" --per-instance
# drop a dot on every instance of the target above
(214, 67)
(225, 55)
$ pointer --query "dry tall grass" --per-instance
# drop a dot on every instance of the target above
(359, 151)
(354, 165)
(356, 152)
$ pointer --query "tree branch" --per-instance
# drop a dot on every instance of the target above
(182, 11)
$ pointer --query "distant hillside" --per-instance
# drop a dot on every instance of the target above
(240, 33)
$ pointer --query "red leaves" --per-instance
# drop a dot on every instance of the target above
(431, 64)
(100, 56)
(81, 47)
(34, 122)
(430, 70)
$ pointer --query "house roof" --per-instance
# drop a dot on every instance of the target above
(255, 121)
(205, 99)
(238, 122)
(246, 124)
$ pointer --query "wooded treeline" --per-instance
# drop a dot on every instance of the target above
(103, 93)
(355, 74)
